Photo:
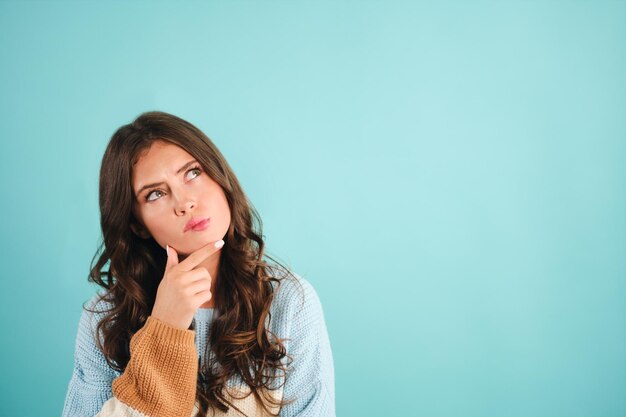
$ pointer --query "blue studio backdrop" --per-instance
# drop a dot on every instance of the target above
(450, 176)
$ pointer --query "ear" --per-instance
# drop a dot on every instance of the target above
(139, 230)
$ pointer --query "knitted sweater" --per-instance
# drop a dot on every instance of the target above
(161, 375)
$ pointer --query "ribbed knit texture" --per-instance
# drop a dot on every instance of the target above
(296, 315)
(166, 387)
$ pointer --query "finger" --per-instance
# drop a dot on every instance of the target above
(172, 257)
(200, 255)
(199, 286)
(194, 275)
(202, 297)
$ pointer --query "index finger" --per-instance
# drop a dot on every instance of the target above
(195, 258)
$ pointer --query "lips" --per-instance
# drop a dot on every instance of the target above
(197, 223)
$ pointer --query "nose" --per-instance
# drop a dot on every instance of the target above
(184, 205)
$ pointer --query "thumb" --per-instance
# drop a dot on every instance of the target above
(172, 257)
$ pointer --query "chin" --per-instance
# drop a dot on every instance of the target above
(193, 243)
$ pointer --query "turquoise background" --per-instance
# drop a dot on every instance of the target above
(450, 176)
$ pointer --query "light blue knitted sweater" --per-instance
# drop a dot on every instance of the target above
(296, 315)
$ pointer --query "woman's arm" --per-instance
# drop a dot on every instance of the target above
(159, 380)
(310, 377)
(90, 384)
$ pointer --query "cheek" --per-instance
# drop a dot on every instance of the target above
(223, 212)
(156, 223)
(217, 208)
(224, 222)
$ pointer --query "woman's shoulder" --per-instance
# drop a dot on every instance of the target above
(293, 294)
(94, 310)
(99, 303)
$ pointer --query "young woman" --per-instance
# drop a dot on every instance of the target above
(192, 320)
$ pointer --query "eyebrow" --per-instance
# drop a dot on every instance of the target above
(156, 184)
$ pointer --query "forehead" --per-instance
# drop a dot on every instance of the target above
(161, 157)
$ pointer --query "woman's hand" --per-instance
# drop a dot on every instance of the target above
(184, 287)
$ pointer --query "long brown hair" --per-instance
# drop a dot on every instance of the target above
(238, 339)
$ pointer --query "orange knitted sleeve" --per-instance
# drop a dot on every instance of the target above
(160, 378)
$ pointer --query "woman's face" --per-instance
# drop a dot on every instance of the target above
(177, 190)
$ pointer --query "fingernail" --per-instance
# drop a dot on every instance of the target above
(167, 250)
(219, 243)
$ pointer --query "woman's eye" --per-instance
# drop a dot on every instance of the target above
(159, 191)
(148, 196)
(195, 169)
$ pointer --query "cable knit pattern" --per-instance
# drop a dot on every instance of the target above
(147, 388)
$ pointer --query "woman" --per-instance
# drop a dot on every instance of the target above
(192, 320)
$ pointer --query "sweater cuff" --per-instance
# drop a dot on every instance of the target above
(168, 333)
(161, 375)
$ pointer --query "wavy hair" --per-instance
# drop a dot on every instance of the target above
(239, 341)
